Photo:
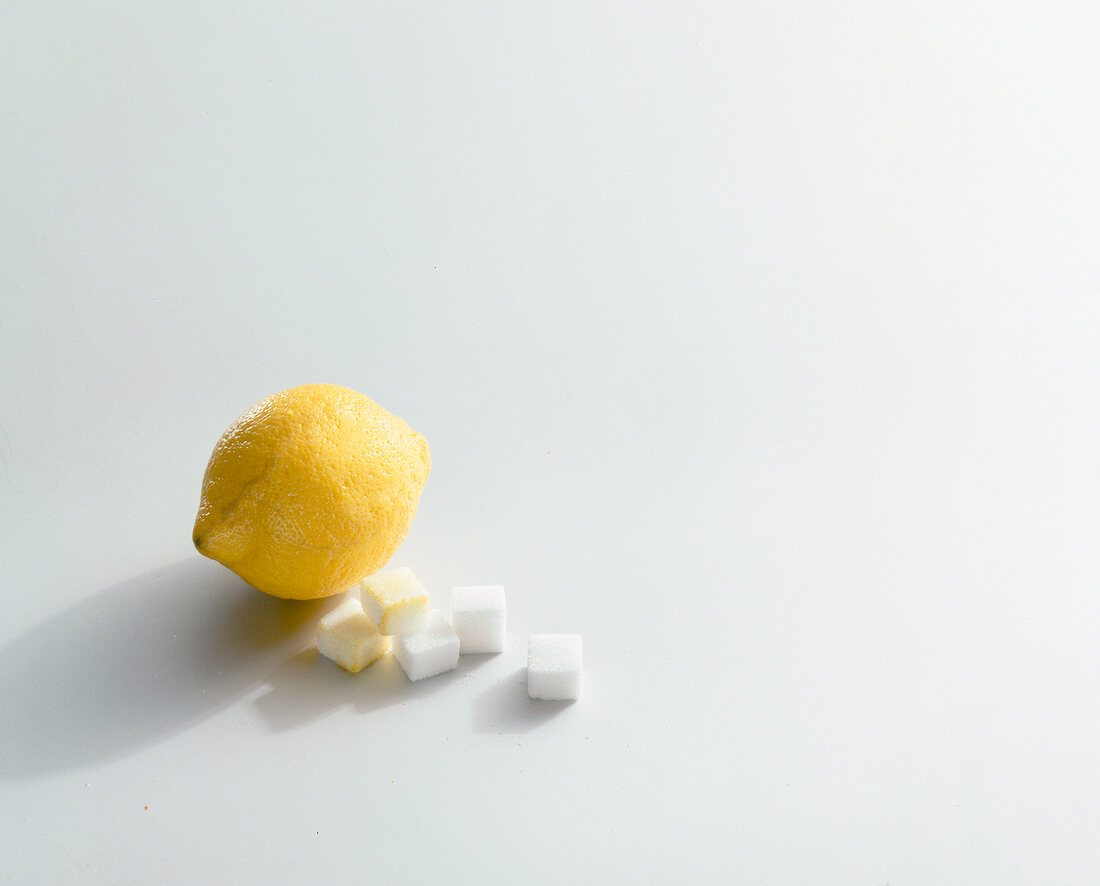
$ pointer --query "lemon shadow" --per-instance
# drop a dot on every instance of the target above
(138, 662)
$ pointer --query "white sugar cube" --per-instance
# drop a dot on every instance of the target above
(395, 601)
(349, 638)
(554, 666)
(478, 615)
(430, 651)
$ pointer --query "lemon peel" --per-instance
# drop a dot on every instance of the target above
(310, 490)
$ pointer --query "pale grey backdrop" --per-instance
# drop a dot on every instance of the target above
(756, 342)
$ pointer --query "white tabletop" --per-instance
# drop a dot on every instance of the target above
(754, 342)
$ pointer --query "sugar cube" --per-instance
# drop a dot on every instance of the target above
(349, 638)
(478, 615)
(395, 601)
(554, 666)
(427, 652)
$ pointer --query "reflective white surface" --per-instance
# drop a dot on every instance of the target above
(755, 343)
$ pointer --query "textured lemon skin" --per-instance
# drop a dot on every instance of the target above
(311, 490)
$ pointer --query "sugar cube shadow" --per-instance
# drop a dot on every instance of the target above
(140, 661)
(309, 687)
(505, 707)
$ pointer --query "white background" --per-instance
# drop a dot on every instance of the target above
(756, 342)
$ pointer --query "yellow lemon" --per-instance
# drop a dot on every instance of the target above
(310, 491)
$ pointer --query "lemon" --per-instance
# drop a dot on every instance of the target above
(310, 491)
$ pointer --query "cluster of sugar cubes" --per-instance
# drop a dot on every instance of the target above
(392, 611)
